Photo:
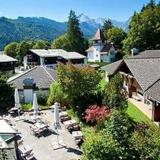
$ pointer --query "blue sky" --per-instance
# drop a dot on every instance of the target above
(119, 10)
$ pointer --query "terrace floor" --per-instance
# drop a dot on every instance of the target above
(42, 147)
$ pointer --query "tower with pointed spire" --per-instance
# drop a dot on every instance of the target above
(100, 51)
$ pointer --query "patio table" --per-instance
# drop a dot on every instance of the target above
(69, 123)
(77, 134)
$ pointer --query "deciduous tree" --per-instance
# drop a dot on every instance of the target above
(144, 29)
(116, 35)
(11, 49)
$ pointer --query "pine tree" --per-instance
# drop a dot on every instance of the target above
(106, 26)
(75, 36)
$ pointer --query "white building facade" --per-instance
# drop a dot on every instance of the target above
(100, 51)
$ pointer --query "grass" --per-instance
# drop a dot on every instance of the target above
(29, 107)
(137, 115)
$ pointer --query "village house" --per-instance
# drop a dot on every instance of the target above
(38, 80)
(7, 64)
(141, 75)
(51, 57)
(101, 51)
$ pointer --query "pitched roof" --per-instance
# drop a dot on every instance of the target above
(5, 128)
(154, 91)
(147, 54)
(145, 71)
(98, 35)
(145, 68)
(113, 67)
(107, 47)
(5, 58)
(90, 49)
(57, 53)
(43, 77)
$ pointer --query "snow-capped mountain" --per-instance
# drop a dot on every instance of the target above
(98, 22)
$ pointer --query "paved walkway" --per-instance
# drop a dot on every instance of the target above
(42, 147)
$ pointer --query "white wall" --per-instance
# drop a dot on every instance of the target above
(28, 95)
(95, 55)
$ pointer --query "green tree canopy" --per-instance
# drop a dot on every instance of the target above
(61, 43)
(144, 30)
(22, 49)
(75, 37)
(113, 96)
(41, 44)
(57, 95)
(116, 35)
(79, 83)
(6, 94)
(106, 26)
(11, 49)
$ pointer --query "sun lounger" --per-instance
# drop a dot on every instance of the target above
(79, 142)
(70, 123)
(74, 128)
(65, 118)
(58, 144)
(77, 134)
(63, 114)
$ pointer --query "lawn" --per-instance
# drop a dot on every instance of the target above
(137, 115)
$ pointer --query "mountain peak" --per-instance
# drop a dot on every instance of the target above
(83, 18)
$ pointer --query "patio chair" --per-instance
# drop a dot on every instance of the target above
(79, 142)
(74, 128)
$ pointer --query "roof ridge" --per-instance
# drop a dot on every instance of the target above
(21, 74)
(152, 84)
(48, 73)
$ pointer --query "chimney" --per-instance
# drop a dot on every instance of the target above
(134, 51)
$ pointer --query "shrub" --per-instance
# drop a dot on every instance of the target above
(27, 107)
(120, 126)
(42, 99)
(57, 95)
(146, 141)
(96, 113)
(100, 146)
(113, 96)
(6, 94)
